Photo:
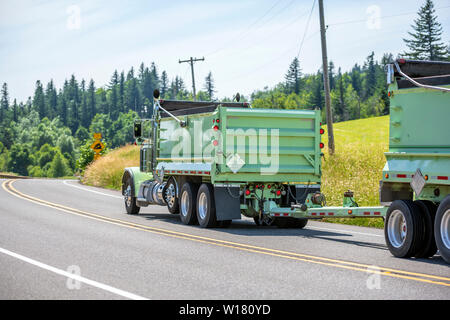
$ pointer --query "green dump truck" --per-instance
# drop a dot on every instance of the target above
(213, 162)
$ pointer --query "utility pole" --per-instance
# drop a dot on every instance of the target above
(326, 80)
(191, 61)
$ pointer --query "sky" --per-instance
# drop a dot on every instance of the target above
(247, 44)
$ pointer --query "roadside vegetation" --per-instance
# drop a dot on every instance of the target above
(107, 171)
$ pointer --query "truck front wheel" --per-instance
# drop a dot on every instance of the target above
(170, 196)
(442, 229)
(130, 199)
(403, 228)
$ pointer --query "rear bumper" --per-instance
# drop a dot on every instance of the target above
(330, 212)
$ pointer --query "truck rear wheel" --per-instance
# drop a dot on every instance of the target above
(403, 228)
(188, 195)
(206, 207)
(428, 247)
(130, 199)
(442, 229)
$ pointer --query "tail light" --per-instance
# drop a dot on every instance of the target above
(321, 145)
(322, 131)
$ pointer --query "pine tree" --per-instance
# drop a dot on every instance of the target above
(62, 108)
(293, 77)
(91, 103)
(425, 42)
(4, 103)
(15, 111)
(331, 75)
(39, 100)
(51, 99)
(113, 99)
(122, 92)
(209, 86)
(85, 114)
(164, 84)
(340, 108)
(371, 80)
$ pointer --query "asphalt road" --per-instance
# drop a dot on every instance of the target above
(62, 240)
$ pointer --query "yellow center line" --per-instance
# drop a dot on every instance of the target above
(8, 186)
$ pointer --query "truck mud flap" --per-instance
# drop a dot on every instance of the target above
(227, 201)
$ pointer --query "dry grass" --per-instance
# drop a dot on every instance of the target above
(107, 171)
(356, 165)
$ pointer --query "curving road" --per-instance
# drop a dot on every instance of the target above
(62, 240)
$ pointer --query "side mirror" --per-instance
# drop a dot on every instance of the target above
(156, 94)
(137, 130)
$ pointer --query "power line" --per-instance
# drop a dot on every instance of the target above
(245, 30)
(306, 29)
(283, 27)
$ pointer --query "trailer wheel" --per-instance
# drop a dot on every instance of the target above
(206, 207)
(442, 228)
(130, 200)
(290, 223)
(170, 196)
(428, 247)
(187, 199)
(403, 229)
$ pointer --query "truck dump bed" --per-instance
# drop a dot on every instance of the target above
(419, 131)
(240, 144)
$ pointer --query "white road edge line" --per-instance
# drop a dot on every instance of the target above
(345, 231)
(85, 189)
(74, 276)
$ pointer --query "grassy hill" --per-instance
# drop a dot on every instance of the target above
(356, 165)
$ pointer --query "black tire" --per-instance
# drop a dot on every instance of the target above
(428, 212)
(291, 223)
(403, 229)
(129, 199)
(442, 229)
(187, 203)
(206, 207)
(170, 197)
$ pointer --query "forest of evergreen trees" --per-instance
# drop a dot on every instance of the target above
(49, 134)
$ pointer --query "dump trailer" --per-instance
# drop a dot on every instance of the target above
(416, 178)
(213, 162)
